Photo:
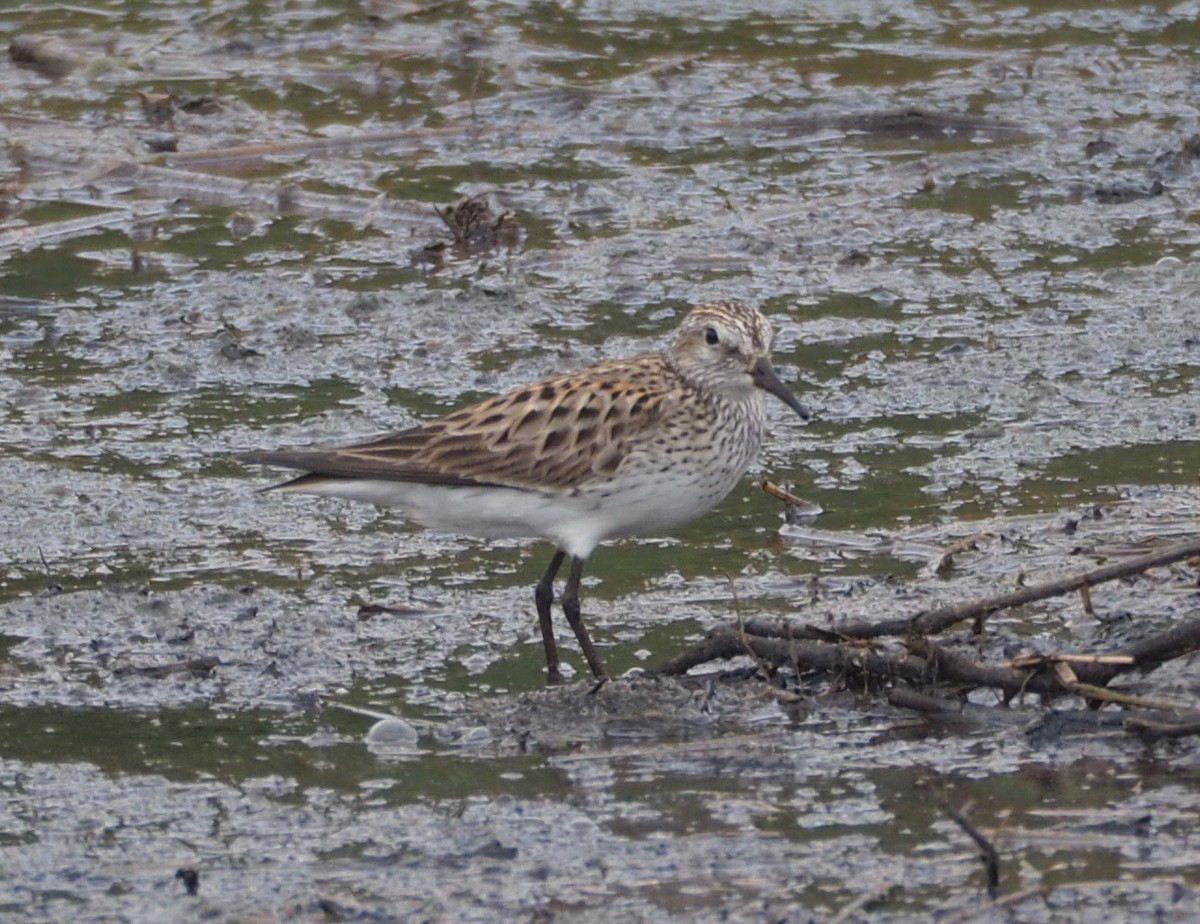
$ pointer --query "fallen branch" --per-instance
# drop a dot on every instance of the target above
(1153, 731)
(955, 667)
(934, 621)
(904, 698)
(199, 667)
(790, 630)
(1059, 674)
(726, 642)
(928, 662)
(987, 851)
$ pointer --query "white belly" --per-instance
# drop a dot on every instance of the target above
(575, 523)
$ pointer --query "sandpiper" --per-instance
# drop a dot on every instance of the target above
(626, 447)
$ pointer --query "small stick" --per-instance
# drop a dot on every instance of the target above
(1013, 898)
(771, 488)
(987, 852)
(1153, 731)
(1084, 678)
(864, 902)
(1103, 694)
(1041, 660)
(763, 666)
(201, 667)
(934, 621)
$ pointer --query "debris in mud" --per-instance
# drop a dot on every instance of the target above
(796, 509)
(158, 108)
(368, 610)
(204, 104)
(918, 123)
(197, 667)
(161, 144)
(1177, 161)
(431, 255)
(945, 564)
(844, 651)
(903, 124)
(1099, 146)
(1150, 730)
(190, 879)
(230, 348)
(45, 54)
(1121, 192)
(987, 851)
(337, 911)
(1181, 160)
(476, 226)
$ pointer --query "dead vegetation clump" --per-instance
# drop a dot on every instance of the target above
(928, 675)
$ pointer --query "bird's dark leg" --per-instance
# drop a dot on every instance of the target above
(543, 596)
(570, 605)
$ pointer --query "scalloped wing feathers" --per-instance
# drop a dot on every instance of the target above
(555, 435)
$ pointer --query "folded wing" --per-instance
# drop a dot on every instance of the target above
(557, 435)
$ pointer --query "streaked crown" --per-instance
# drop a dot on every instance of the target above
(718, 344)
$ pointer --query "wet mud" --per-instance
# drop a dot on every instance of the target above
(250, 227)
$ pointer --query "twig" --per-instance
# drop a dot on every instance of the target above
(934, 621)
(840, 652)
(1054, 677)
(742, 632)
(987, 851)
(1013, 898)
(904, 698)
(1104, 695)
(1049, 676)
(790, 630)
(1039, 660)
(781, 494)
(200, 667)
(955, 667)
(865, 901)
(1153, 731)
(726, 642)
(714, 647)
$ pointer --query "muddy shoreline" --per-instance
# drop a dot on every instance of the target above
(227, 229)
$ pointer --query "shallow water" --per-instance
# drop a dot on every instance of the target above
(974, 227)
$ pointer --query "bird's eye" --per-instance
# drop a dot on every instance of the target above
(710, 336)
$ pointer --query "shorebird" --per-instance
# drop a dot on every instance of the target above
(625, 447)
